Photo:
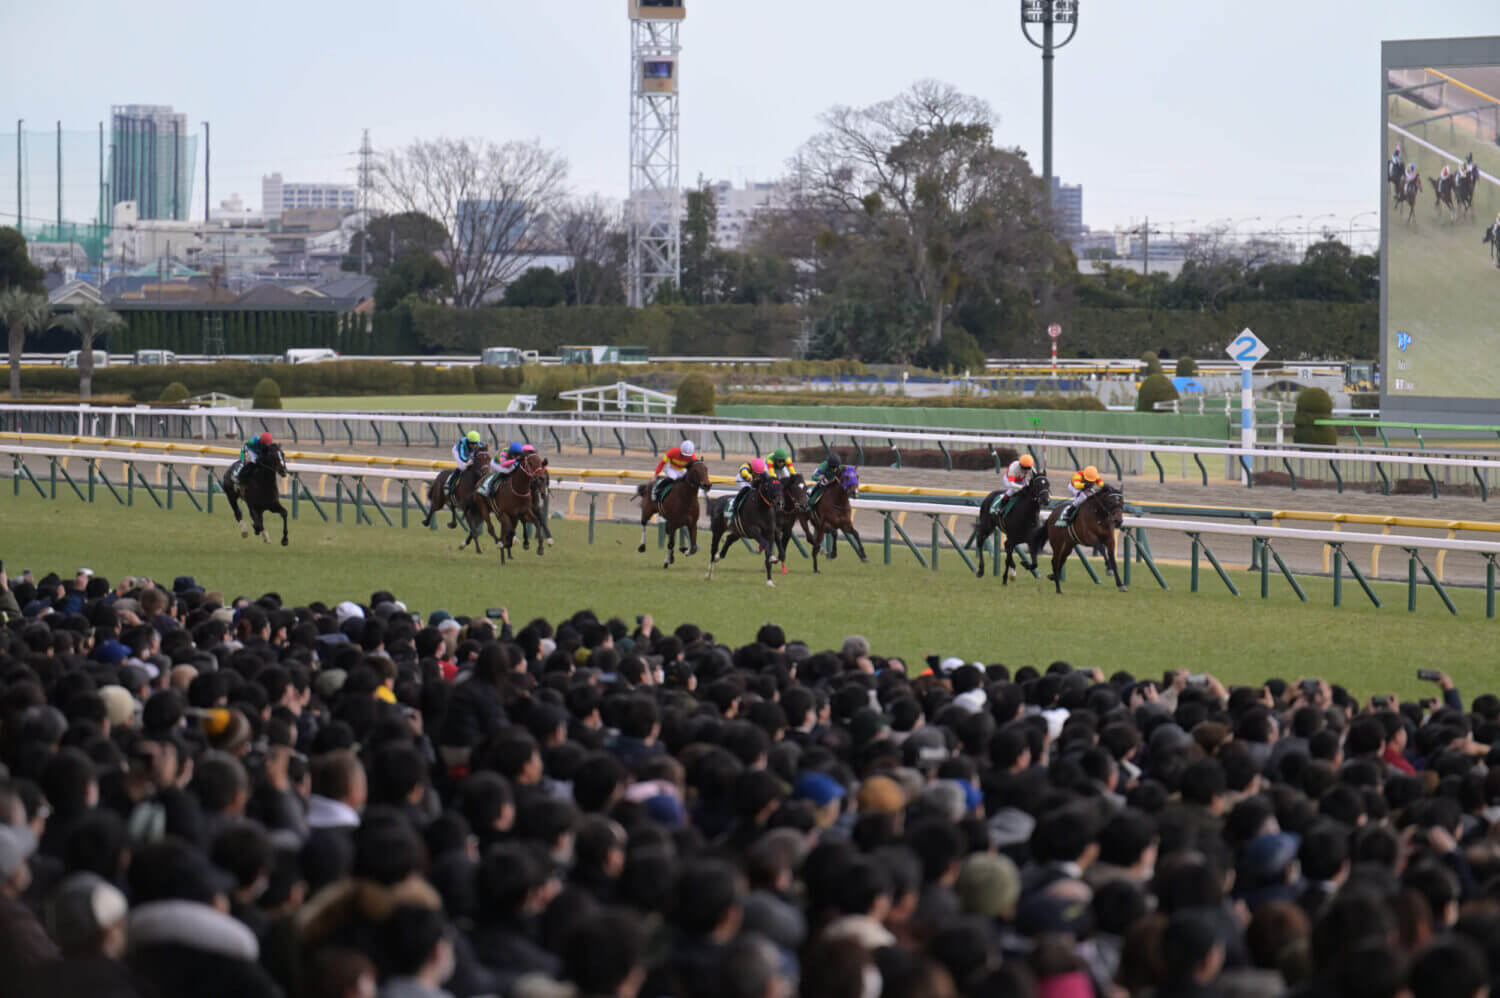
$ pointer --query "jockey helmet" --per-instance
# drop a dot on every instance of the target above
(1027, 461)
(1091, 474)
(472, 436)
(779, 454)
(515, 449)
(687, 448)
(1445, 170)
(265, 439)
(757, 466)
(833, 459)
(528, 449)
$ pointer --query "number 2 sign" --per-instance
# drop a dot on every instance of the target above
(1247, 349)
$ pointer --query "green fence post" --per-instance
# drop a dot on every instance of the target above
(887, 542)
(129, 484)
(79, 492)
(900, 532)
(405, 503)
(169, 489)
(208, 490)
(1338, 574)
(934, 541)
(555, 438)
(1208, 553)
(1489, 586)
(956, 546)
(338, 498)
(723, 453)
(947, 458)
(619, 440)
(1436, 585)
(1201, 469)
(593, 500)
(1411, 579)
(295, 497)
(586, 441)
(1126, 542)
(1338, 479)
(1291, 579)
(895, 452)
(1161, 473)
(1193, 576)
(1287, 464)
(91, 479)
(1265, 569)
(1364, 584)
(1086, 566)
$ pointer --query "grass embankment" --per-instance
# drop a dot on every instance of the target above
(902, 608)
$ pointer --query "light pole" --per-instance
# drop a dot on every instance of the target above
(1351, 226)
(1282, 221)
(1307, 232)
(1047, 13)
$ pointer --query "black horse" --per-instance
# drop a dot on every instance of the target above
(259, 490)
(755, 521)
(1019, 524)
(1408, 196)
(1465, 191)
(1492, 237)
(1442, 193)
(794, 509)
(1394, 176)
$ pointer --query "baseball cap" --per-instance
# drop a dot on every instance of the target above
(111, 653)
(347, 611)
(119, 705)
(84, 907)
(988, 884)
(818, 788)
(1269, 855)
(881, 795)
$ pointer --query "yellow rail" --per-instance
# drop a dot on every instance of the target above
(1461, 83)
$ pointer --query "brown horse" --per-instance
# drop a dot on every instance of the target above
(437, 492)
(1094, 525)
(679, 508)
(794, 510)
(1408, 196)
(513, 503)
(1442, 194)
(832, 514)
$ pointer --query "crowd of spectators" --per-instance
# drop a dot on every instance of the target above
(230, 797)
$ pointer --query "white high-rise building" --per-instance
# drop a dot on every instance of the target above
(738, 207)
(278, 195)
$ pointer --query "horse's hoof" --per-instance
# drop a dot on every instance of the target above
(550, 542)
(693, 550)
(641, 549)
(283, 542)
(770, 583)
(266, 538)
(244, 531)
(452, 526)
(1123, 589)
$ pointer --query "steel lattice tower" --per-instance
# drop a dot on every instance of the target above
(653, 215)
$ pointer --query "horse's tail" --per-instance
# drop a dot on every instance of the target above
(640, 493)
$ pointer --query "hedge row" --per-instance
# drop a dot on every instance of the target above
(1300, 330)
(716, 330)
(344, 377)
(244, 332)
(1070, 403)
(971, 459)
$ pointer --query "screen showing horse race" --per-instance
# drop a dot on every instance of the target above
(1442, 231)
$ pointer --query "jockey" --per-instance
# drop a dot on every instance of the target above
(1084, 484)
(780, 463)
(513, 453)
(828, 471)
(1411, 171)
(1444, 175)
(251, 451)
(1396, 161)
(1019, 474)
(752, 469)
(677, 460)
(463, 453)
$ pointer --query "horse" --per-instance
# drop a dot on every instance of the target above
(1393, 176)
(1442, 193)
(515, 503)
(1019, 524)
(1408, 197)
(541, 490)
(1492, 237)
(679, 508)
(794, 509)
(755, 520)
(437, 492)
(1094, 524)
(260, 492)
(475, 505)
(832, 514)
(1465, 191)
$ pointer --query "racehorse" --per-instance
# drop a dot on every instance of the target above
(1465, 191)
(1408, 197)
(755, 521)
(1492, 237)
(1393, 175)
(794, 509)
(514, 502)
(260, 492)
(1019, 524)
(1442, 193)
(437, 492)
(1094, 524)
(541, 490)
(832, 514)
(475, 505)
(678, 508)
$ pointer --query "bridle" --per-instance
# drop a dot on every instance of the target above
(521, 468)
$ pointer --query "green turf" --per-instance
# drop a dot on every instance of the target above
(902, 608)
(1443, 282)
(400, 403)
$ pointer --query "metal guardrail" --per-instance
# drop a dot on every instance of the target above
(351, 489)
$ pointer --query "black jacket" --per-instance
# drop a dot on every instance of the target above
(474, 710)
(182, 949)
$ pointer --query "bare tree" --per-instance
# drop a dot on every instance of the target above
(492, 200)
(587, 228)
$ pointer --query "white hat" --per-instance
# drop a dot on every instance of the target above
(687, 448)
(347, 609)
(949, 664)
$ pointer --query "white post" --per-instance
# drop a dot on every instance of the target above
(1247, 419)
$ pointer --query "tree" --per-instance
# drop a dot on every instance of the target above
(911, 195)
(415, 272)
(22, 312)
(493, 202)
(88, 322)
(1156, 388)
(699, 237)
(538, 287)
(592, 238)
(386, 238)
(16, 268)
(695, 396)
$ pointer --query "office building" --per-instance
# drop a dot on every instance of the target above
(1067, 210)
(278, 195)
(152, 160)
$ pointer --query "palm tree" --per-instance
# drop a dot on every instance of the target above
(89, 321)
(22, 312)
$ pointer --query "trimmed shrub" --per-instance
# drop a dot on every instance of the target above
(695, 396)
(267, 394)
(958, 352)
(549, 395)
(1187, 367)
(1313, 404)
(1150, 364)
(1156, 388)
(175, 392)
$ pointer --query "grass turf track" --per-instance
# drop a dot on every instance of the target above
(399, 403)
(1444, 286)
(904, 609)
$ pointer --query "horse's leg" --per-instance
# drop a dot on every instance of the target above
(857, 542)
(981, 538)
(1060, 551)
(769, 546)
(1109, 560)
(713, 548)
(692, 528)
(671, 544)
(646, 512)
(234, 506)
(278, 508)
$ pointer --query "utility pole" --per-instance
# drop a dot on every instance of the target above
(19, 171)
(206, 202)
(59, 181)
(365, 183)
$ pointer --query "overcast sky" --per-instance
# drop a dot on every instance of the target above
(1188, 111)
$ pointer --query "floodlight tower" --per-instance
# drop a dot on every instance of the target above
(653, 219)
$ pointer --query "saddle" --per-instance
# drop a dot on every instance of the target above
(1065, 518)
(660, 488)
(1002, 506)
(490, 483)
(739, 500)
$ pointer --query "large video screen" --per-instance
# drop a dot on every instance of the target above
(1442, 236)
